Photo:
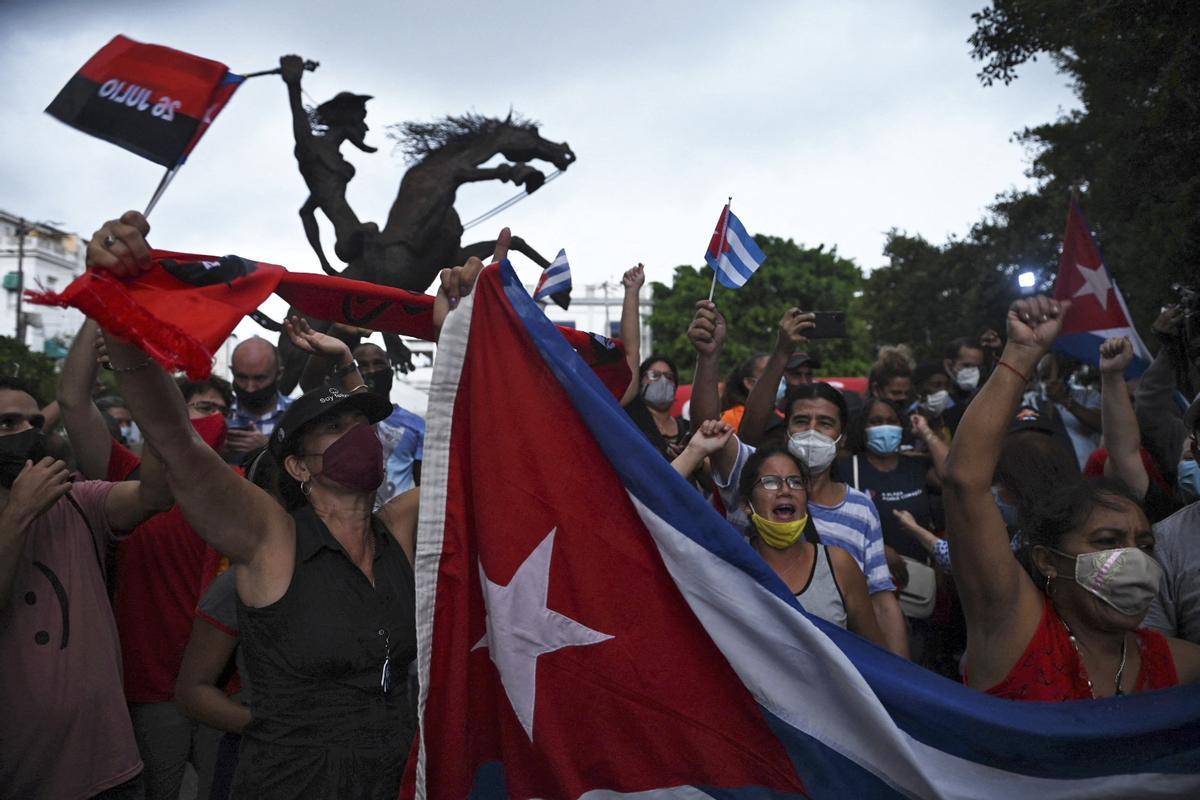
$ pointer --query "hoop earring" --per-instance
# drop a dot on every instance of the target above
(305, 489)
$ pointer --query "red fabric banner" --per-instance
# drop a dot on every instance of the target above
(183, 308)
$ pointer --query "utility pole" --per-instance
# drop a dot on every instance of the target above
(22, 229)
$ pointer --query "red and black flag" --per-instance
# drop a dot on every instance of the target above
(183, 309)
(151, 100)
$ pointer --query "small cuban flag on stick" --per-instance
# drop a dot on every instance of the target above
(555, 283)
(732, 253)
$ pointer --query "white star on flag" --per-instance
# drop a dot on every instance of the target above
(1095, 282)
(520, 627)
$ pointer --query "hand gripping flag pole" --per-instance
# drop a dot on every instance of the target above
(732, 252)
(172, 171)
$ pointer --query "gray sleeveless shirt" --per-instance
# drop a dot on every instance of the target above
(821, 596)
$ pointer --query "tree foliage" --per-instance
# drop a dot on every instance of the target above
(1131, 149)
(930, 294)
(811, 278)
(39, 371)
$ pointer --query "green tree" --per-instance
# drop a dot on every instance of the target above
(38, 370)
(811, 278)
(1131, 149)
(929, 294)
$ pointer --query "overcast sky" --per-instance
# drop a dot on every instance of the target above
(828, 122)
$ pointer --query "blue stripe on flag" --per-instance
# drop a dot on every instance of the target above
(1154, 732)
(738, 231)
(556, 278)
(734, 268)
(1085, 347)
(732, 272)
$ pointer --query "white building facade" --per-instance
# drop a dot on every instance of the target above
(39, 256)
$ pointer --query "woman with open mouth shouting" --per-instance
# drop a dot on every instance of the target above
(773, 490)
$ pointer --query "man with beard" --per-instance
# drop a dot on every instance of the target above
(402, 433)
(256, 370)
(65, 731)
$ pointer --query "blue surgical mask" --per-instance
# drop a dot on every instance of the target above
(1187, 478)
(132, 434)
(884, 439)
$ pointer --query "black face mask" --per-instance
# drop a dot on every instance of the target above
(16, 449)
(257, 400)
(380, 382)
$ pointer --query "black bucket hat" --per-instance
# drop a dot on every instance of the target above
(318, 403)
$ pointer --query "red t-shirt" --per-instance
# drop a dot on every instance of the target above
(1094, 468)
(1051, 670)
(162, 569)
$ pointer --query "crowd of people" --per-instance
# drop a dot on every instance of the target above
(219, 575)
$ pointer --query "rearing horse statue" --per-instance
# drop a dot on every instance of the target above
(423, 232)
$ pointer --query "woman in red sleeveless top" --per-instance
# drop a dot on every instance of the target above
(1069, 630)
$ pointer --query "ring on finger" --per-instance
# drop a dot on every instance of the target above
(109, 241)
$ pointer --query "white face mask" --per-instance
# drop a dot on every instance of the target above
(1126, 578)
(936, 403)
(659, 393)
(815, 449)
(967, 378)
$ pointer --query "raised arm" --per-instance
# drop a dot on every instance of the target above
(999, 600)
(707, 335)
(205, 487)
(712, 437)
(328, 348)
(760, 404)
(631, 326)
(1158, 415)
(938, 449)
(1121, 434)
(90, 440)
(130, 503)
(291, 68)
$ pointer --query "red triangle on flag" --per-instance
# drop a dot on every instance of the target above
(1086, 282)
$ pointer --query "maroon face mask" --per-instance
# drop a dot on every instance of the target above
(212, 430)
(355, 460)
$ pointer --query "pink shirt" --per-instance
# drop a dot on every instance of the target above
(64, 728)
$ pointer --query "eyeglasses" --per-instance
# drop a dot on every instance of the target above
(209, 407)
(773, 483)
(655, 374)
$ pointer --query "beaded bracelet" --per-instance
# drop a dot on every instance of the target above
(134, 368)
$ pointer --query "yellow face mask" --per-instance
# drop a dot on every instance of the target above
(778, 535)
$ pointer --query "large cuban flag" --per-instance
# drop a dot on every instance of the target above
(1097, 309)
(589, 627)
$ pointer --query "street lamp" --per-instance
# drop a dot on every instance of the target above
(1027, 280)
